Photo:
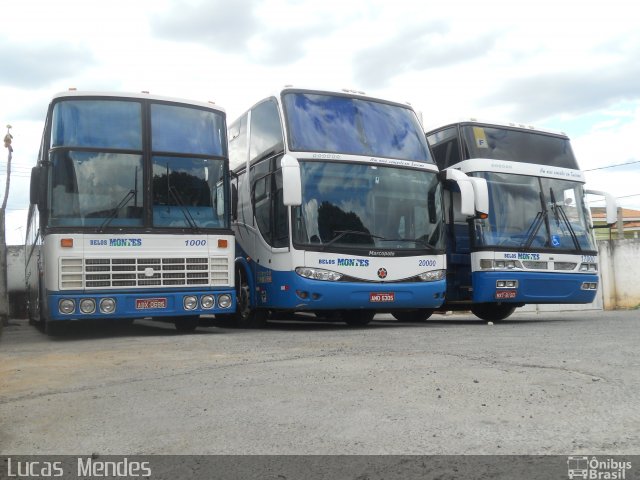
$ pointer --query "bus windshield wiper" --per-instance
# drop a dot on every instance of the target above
(185, 211)
(532, 231)
(559, 213)
(128, 196)
(343, 233)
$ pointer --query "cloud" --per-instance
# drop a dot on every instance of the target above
(240, 28)
(27, 66)
(426, 47)
(219, 24)
(579, 91)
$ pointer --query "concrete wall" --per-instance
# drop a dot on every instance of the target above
(620, 273)
(15, 282)
(15, 269)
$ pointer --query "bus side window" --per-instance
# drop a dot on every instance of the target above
(445, 147)
(266, 133)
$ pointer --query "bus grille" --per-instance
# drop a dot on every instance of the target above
(143, 272)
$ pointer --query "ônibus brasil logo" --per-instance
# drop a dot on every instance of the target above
(596, 469)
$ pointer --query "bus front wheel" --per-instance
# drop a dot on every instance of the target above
(186, 324)
(358, 318)
(492, 311)
(246, 316)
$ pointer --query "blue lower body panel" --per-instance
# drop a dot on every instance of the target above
(139, 304)
(534, 287)
(289, 291)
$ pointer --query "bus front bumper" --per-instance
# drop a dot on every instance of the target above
(109, 304)
(534, 287)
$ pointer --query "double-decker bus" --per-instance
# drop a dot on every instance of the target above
(536, 246)
(129, 214)
(337, 209)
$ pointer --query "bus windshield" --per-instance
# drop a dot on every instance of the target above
(533, 213)
(340, 124)
(518, 146)
(366, 206)
(98, 173)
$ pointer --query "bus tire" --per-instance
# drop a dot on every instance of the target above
(247, 317)
(54, 328)
(493, 312)
(186, 324)
(358, 318)
(413, 316)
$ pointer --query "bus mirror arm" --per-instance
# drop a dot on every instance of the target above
(467, 206)
(291, 181)
(611, 205)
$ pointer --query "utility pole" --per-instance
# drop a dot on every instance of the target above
(4, 294)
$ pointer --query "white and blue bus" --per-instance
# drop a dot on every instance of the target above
(337, 209)
(129, 214)
(536, 246)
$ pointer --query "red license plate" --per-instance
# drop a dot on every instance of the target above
(506, 294)
(148, 303)
(382, 297)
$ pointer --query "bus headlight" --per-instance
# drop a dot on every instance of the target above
(486, 264)
(318, 274)
(207, 301)
(190, 302)
(66, 306)
(224, 300)
(432, 276)
(107, 305)
(588, 267)
(87, 305)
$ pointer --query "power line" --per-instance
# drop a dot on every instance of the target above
(611, 166)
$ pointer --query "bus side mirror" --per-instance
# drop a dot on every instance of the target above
(481, 196)
(234, 201)
(291, 181)
(36, 187)
(611, 205)
(467, 206)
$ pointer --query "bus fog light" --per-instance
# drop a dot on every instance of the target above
(66, 306)
(107, 305)
(501, 284)
(207, 301)
(190, 302)
(432, 276)
(511, 284)
(87, 305)
(224, 300)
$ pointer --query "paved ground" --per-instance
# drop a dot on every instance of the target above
(548, 383)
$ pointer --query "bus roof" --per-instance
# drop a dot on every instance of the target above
(512, 125)
(134, 95)
(329, 91)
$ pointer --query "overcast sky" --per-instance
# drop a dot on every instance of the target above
(572, 66)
